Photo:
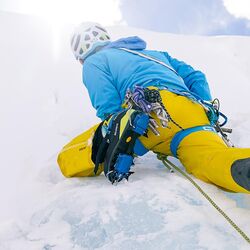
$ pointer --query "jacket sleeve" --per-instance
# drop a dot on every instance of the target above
(102, 92)
(195, 80)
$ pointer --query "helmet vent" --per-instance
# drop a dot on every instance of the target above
(72, 40)
(87, 45)
(87, 37)
(95, 33)
(77, 42)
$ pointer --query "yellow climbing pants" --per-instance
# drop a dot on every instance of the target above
(203, 153)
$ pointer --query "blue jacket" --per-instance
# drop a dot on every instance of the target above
(108, 74)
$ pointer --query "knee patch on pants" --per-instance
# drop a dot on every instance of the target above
(75, 160)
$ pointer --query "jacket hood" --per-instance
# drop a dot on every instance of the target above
(133, 42)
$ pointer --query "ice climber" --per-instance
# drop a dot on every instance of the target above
(148, 100)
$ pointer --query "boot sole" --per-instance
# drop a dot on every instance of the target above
(240, 171)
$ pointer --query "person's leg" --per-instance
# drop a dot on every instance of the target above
(203, 153)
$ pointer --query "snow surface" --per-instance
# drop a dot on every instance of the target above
(43, 105)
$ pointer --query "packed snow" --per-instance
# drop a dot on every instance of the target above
(43, 105)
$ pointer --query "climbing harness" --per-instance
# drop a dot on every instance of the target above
(173, 167)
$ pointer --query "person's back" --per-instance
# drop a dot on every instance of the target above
(127, 69)
(113, 70)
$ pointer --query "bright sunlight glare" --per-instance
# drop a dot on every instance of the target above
(74, 11)
(239, 8)
(59, 13)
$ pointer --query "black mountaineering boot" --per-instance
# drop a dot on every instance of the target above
(116, 143)
(240, 171)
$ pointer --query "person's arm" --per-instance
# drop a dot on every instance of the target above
(102, 92)
(195, 80)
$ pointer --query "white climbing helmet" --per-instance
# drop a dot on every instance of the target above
(87, 39)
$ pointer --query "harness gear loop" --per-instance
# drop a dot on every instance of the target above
(213, 113)
(149, 100)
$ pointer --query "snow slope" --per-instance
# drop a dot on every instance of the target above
(43, 105)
